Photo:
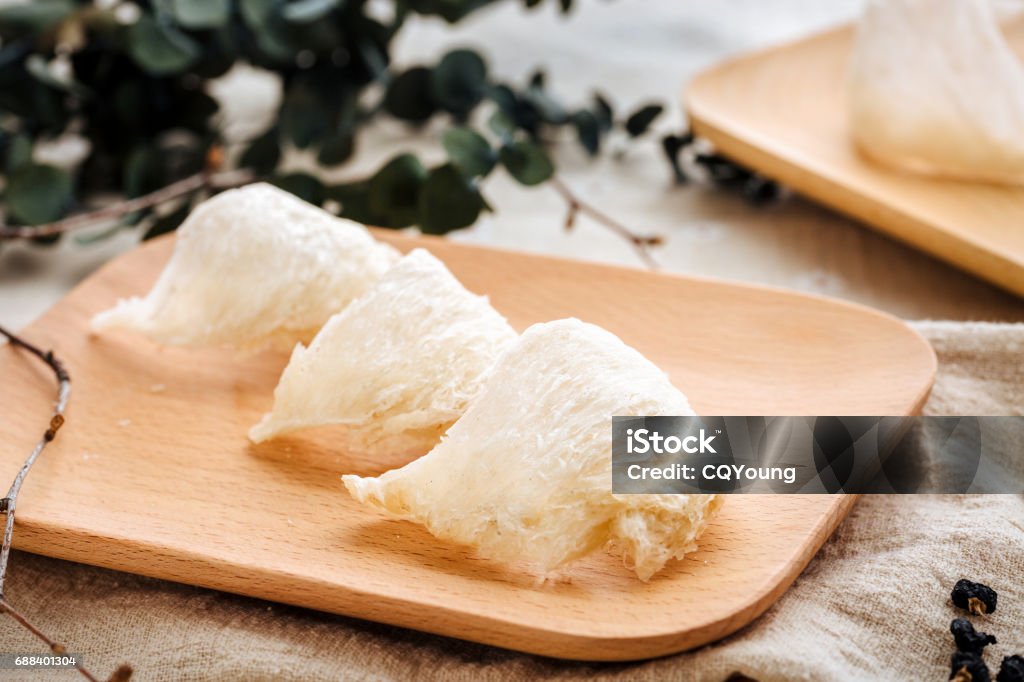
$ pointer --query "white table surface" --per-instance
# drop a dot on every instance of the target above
(635, 51)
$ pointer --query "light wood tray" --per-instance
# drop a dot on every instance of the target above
(782, 112)
(153, 473)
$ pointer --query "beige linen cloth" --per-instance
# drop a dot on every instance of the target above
(872, 605)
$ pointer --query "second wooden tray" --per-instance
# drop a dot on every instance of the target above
(782, 112)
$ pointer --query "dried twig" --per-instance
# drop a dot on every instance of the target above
(207, 178)
(641, 243)
(8, 503)
(174, 190)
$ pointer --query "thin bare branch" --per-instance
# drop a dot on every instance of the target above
(56, 647)
(641, 243)
(174, 190)
(9, 503)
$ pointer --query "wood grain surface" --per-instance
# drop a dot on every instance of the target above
(153, 473)
(782, 112)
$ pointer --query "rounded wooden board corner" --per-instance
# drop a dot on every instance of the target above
(185, 494)
(781, 111)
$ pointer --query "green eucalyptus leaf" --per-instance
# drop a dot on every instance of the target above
(42, 109)
(672, 146)
(549, 110)
(276, 47)
(263, 17)
(49, 109)
(195, 110)
(127, 100)
(348, 114)
(202, 14)
(448, 201)
(546, 107)
(502, 125)
(302, 185)
(520, 111)
(308, 11)
(409, 96)
(221, 51)
(318, 37)
(169, 222)
(336, 149)
(38, 194)
(604, 112)
(451, 11)
(18, 152)
(640, 120)
(394, 191)
(371, 49)
(355, 202)
(527, 163)
(588, 131)
(10, 54)
(469, 151)
(257, 14)
(504, 97)
(263, 153)
(304, 115)
(144, 171)
(459, 82)
(34, 16)
(160, 49)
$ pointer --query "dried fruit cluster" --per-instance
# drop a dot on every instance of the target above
(967, 664)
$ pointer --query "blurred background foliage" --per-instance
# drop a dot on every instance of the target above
(129, 82)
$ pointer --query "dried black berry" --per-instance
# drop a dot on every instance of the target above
(967, 667)
(974, 597)
(760, 191)
(721, 170)
(967, 638)
(1012, 669)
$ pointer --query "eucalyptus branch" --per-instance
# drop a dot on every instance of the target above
(8, 503)
(641, 243)
(330, 93)
(202, 180)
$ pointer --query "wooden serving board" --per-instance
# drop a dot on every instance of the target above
(783, 112)
(153, 473)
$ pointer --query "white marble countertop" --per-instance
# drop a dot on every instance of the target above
(635, 50)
